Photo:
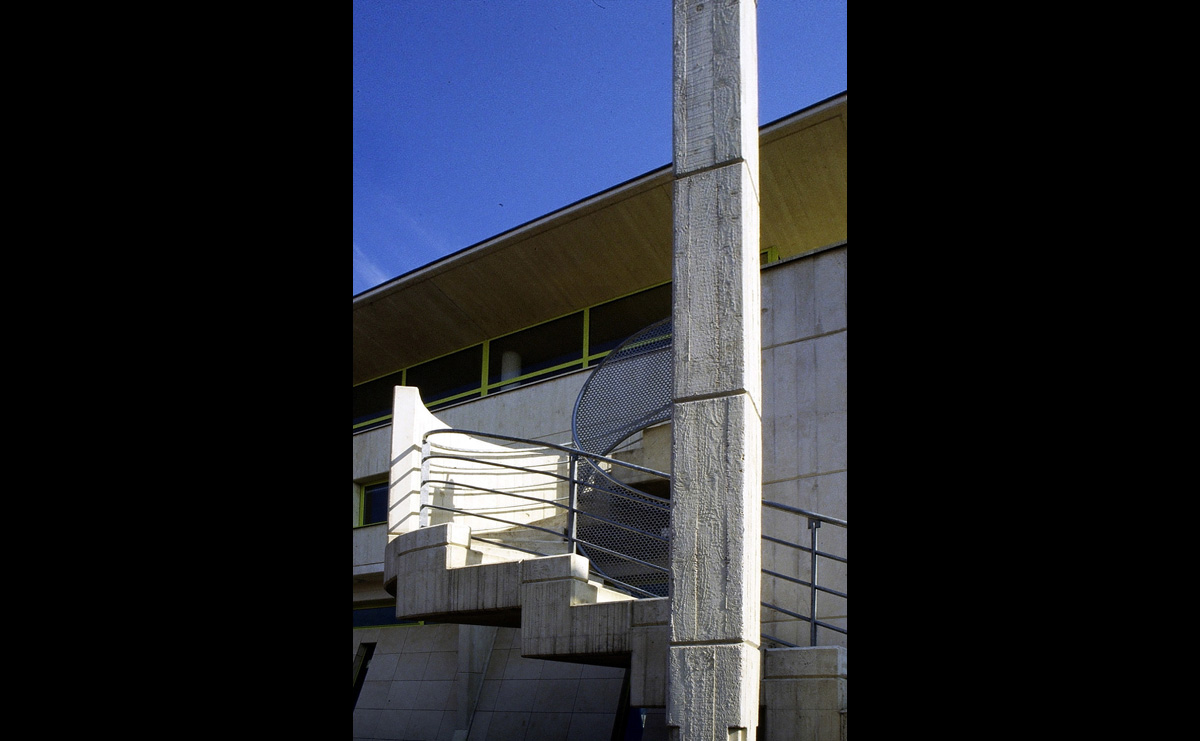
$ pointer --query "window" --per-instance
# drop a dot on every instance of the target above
(554, 345)
(374, 503)
(617, 320)
(373, 400)
(541, 351)
(449, 377)
(379, 616)
(362, 659)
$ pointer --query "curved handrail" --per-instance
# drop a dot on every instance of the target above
(497, 458)
(587, 474)
(539, 444)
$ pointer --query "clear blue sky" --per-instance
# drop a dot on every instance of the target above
(472, 117)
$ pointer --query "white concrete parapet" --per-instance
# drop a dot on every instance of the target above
(487, 485)
(410, 421)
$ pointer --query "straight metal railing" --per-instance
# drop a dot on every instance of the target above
(815, 521)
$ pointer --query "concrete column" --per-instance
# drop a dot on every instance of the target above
(713, 651)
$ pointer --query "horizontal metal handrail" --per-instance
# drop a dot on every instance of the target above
(806, 549)
(539, 444)
(815, 521)
(555, 533)
(804, 617)
(497, 464)
(501, 492)
(552, 503)
(638, 561)
(502, 544)
(639, 497)
(487, 459)
(565, 538)
(592, 477)
(803, 583)
(805, 513)
(780, 641)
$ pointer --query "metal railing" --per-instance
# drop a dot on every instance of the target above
(561, 470)
(598, 481)
(815, 521)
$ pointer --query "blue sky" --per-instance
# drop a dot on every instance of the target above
(472, 117)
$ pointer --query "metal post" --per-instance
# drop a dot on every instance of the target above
(813, 526)
(423, 518)
(572, 500)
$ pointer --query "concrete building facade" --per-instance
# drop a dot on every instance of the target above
(500, 338)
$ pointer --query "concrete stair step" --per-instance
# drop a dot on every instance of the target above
(526, 539)
(490, 553)
(607, 594)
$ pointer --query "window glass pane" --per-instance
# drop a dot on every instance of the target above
(537, 348)
(374, 398)
(615, 321)
(362, 660)
(368, 616)
(449, 375)
(375, 502)
(365, 617)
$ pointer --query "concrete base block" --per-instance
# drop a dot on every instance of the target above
(712, 692)
(562, 616)
(649, 637)
(804, 690)
(433, 570)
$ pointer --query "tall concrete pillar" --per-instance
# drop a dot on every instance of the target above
(713, 653)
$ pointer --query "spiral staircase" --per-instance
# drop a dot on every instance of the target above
(564, 542)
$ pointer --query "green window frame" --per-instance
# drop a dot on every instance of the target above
(562, 345)
(543, 350)
(372, 503)
(377, 614)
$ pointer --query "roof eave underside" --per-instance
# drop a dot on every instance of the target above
(611, 244)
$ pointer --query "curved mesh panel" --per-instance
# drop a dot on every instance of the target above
(644, 517)
(629, 391)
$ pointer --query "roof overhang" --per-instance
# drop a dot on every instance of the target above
(611, 244)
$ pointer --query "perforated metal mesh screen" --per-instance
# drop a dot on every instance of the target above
(629, 391)
(606, 502)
